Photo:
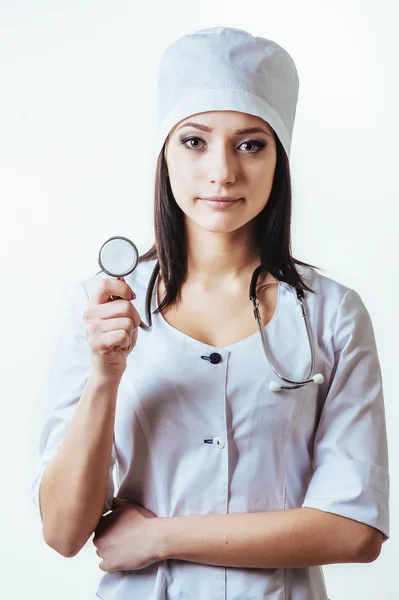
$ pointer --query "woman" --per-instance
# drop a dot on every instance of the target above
(231, 483)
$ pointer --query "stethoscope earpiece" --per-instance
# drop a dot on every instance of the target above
(276, 387)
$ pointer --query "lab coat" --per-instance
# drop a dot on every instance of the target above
(320, 446)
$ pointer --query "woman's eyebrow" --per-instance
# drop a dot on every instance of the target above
(238, 132)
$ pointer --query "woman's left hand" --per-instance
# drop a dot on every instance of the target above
(125, 538)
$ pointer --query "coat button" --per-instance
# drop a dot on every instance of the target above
(214, 358)
(218, 441)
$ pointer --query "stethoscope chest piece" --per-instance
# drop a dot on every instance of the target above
(118, 257)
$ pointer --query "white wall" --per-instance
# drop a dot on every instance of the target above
(77, 116)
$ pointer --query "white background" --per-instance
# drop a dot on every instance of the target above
(77, 97)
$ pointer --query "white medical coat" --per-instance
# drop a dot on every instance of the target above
(321, 446)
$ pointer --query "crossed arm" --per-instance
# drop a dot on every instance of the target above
(299, 537)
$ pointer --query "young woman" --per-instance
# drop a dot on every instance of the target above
(249, 451)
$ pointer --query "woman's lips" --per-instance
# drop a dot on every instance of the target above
(221, 205)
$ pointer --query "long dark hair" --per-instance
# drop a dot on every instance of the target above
(273, 232)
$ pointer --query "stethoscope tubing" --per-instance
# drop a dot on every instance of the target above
(296, 384)
(317, 378)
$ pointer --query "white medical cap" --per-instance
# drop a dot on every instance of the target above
(226, 69)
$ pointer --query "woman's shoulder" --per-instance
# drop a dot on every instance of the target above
(333, 301)
(323, 285)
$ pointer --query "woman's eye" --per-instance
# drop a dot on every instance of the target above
(259, 145)
(184, 142)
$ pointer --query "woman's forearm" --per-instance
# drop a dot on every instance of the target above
(74, 485)
(298, 537)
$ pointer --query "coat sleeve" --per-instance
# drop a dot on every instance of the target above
(351, 475)
(69, 371)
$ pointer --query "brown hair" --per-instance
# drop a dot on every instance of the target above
(273, 232)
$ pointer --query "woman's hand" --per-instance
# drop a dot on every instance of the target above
(111, 326)
(125, 538)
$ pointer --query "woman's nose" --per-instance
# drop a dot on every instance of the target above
(222, 170)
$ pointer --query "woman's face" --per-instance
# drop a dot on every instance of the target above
(219, 161)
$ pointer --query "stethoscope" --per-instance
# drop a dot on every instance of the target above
(118, 257)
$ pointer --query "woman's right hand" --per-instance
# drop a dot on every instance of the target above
(111, 327)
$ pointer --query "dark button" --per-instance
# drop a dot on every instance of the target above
(214, 358)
